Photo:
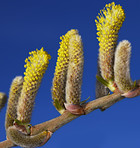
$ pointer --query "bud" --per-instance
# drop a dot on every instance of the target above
(36, 65)
(14, 94)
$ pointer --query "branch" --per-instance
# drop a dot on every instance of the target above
(66, 117)
(6, 144)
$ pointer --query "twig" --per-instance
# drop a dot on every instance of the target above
(66, 117)
(6, 144)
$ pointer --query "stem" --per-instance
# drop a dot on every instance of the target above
(56, 123)
(66, 117)
(6, 144)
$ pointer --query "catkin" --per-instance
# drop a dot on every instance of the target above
(75, 70)
(108, 24)
(122, 66)
(14, 94)
(24, 140)
(36, 65)
(60, 75)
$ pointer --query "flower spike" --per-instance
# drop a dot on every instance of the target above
(59, 80)
(122, 68)
(36, 65)
(74, 75)
(108, 25)
(14, 94)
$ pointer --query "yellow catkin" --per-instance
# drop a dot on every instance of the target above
(122, 67)
(23, 140)
(3, 99)
(14, 94)
(108, 22)
(75, 70)
(59, 80)
(36, 65)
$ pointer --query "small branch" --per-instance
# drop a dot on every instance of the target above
(66, 117)
(6, 144)
(103, 102)
(54, 124)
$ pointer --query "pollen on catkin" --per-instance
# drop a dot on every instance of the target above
(108, 22)
(122, 67)
(14, 94)
(36, 65)
(60, 75)
(75, 70)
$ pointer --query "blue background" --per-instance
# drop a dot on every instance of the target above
(27, 25)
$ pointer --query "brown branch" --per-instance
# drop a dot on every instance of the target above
(66, 117)
(6, 144)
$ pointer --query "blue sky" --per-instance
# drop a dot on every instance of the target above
(27, 25)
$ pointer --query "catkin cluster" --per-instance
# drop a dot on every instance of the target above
(66, 88)
(108, 24)
(21, 101)
(113, 61)
(113, 74)
(61, 68)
